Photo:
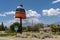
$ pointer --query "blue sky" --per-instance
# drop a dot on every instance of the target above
(45, 11)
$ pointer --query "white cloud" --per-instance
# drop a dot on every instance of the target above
(2, 15)
(56, 1)
(34, 20)
(51, 12)
(30, 14)
(9, 22)
(7, 13)
(25, 21)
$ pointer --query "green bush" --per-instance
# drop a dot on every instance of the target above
(7, 34)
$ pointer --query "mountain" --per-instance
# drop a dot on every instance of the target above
(57, 23)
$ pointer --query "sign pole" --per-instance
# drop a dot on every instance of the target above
(21, 25)
(16, 29)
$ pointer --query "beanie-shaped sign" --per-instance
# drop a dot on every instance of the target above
(20, 12)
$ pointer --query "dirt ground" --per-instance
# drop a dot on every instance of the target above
(11, 38)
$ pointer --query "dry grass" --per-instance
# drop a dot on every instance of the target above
(34, 35)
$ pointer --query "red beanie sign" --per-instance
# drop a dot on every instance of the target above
(20, 12)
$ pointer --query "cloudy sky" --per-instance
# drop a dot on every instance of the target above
(38, 11)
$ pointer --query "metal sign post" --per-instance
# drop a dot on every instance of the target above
(20, 28)
(16, 29)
